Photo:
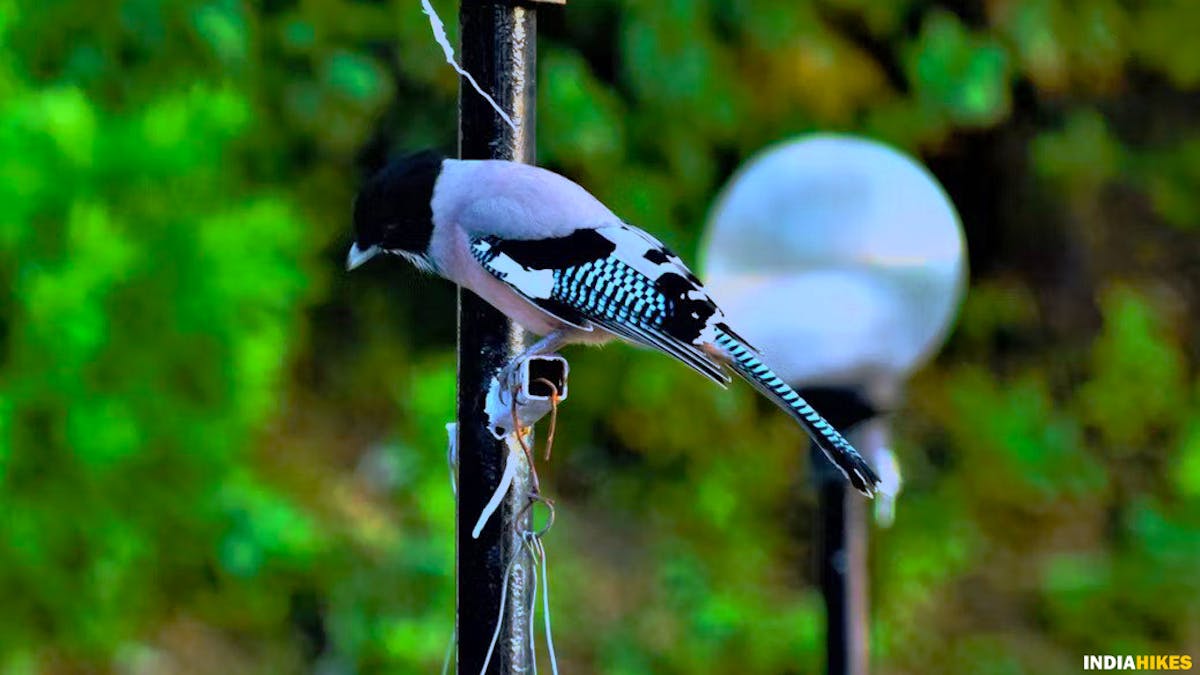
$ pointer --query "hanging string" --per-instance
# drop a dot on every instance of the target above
(533, 546)
(537, 541)
(439, 35)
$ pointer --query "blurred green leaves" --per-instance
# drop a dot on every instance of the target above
(1028, 453)
(1083, 155)
(152, 303)
(1159, 27)
(1138, 385)
(964, 75)
(589, 140)
(210, 438)
(222, 25)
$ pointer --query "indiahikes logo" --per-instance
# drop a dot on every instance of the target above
(1137, 662)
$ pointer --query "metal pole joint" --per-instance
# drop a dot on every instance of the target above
(540, 383)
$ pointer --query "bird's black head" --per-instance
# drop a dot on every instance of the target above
(393, 211)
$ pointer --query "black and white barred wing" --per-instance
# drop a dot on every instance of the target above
(624, 281)
(615, 277)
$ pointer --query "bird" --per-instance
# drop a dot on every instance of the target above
(554, 259)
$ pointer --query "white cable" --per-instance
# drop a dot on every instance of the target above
(510, 472)
(499, 616)
(449, 651)
(532, 602)
(452, 455)
(546, 605)
(439, 34)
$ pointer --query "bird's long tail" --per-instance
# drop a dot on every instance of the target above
(746, 362)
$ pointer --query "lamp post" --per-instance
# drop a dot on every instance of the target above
(843, 260)
(499, 46)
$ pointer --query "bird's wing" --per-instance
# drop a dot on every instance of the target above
(616, 277)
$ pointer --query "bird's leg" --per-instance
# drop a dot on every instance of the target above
(547, 345)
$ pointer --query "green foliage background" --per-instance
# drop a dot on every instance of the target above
(218, 453)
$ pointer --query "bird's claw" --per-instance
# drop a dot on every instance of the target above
(510, 376)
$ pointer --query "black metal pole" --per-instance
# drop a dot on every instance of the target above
(498, 47)
(841, 538)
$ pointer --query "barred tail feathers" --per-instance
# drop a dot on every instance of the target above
(747, 363)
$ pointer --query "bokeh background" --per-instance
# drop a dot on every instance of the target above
(219, 453)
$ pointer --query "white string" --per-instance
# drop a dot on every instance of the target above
(499, 615)
(449, 651)
(510, 473)
(452, 462)
(439, 34)
(537, 554)
(532, 604)
(452, 455)
(546, 604)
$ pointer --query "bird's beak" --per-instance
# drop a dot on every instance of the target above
(358, 256)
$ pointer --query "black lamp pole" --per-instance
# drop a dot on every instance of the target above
(499, 48)
(841, 537)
